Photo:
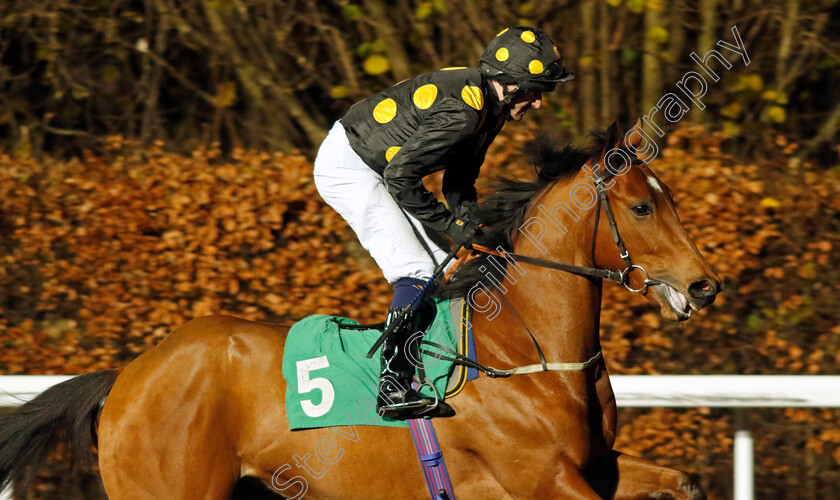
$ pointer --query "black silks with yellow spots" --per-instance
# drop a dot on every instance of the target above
(435, 121)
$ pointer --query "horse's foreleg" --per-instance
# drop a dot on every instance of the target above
(564, 480)
(625, 477)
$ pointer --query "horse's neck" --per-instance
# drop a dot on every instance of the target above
(560, 309)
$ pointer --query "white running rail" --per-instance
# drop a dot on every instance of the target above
(680, 391)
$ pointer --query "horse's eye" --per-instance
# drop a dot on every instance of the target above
(641, 210)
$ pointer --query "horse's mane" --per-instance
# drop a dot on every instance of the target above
(504, 211)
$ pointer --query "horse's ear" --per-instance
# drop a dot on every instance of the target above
(636, 138)
(611, 139)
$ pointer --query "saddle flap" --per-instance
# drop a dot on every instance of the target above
(330, 382)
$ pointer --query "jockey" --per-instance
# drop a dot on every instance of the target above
(371, 165)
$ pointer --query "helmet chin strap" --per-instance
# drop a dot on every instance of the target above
(508, 96)
(507, 112)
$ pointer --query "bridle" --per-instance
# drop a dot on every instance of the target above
(621, 277)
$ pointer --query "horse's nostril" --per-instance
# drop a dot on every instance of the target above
(702, 288)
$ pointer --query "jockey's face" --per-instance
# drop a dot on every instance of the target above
(521, 104)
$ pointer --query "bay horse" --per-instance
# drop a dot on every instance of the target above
(205, 407)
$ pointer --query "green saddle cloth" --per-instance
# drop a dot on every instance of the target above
(330, 382)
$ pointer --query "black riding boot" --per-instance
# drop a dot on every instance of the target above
(397, 399)
(396, 396)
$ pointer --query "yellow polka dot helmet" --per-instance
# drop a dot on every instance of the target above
(526, 56)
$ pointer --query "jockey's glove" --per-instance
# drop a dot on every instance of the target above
(462, 230)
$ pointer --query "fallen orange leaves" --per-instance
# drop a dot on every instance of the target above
(100, 259)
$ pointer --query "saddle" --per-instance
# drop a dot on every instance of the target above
(330, 382)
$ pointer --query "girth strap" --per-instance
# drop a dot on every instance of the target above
(431, 459)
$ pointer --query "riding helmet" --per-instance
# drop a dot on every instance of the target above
(526, 56)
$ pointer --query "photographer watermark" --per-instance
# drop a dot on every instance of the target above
(327, 452)
(582, 196)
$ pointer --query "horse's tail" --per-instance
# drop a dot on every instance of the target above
(65, 413)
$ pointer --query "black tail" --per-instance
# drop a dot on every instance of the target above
(65, 413)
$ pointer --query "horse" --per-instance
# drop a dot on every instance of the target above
(205, 407)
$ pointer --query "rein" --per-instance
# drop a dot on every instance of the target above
(620, 277)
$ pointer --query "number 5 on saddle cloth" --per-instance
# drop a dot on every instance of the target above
(330, 382)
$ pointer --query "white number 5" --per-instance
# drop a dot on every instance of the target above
(305, 384)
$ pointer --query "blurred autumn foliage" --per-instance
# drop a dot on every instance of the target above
(102, 254)
(100, 259)
(275, 74)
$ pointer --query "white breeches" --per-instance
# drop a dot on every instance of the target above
(360, 196)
